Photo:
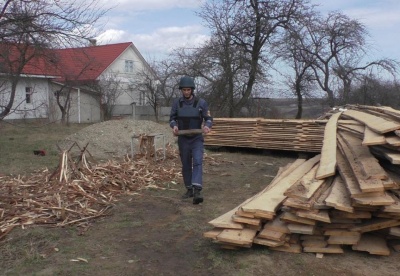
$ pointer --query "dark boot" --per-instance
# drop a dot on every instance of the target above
(188, 194)
(197, 197)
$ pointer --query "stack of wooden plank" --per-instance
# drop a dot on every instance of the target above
(346, 196)
(291, 135)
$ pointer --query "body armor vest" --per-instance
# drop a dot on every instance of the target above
(189, 116)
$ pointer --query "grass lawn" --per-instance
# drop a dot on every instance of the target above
(19, 140)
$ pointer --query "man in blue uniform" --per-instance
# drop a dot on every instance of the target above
(191, 113)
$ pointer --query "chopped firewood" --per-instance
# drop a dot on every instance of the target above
(78, 191)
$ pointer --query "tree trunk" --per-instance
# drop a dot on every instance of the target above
(299, 101)
(10, 103)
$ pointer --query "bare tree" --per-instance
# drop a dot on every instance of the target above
(219, 71)
(336, 46)
(349, 69)
(241, 32)
(300, 78)
(373, 90)
(147, 84)
(168, 80)
(258, 24)
(109, 87)
(29, 28)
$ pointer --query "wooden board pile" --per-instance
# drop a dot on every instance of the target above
(347, 196)
(279, 134)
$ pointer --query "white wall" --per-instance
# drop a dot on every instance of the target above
(87, 111)
(128, 96)
(39, 99)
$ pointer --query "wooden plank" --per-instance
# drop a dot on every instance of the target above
(239, 212)
(291, 248)
(327, 165)
(264, 215)
(338, 226)
(332, 249)
(394, 231)
(349, 122)
(225, 220)
(277, 225)
(313, 237)
(392, 156)
(297, 203)
(339, 197)
(321, 215)
(375, 224)
(306, 187)
(369, 165)
(237, 237)
(365, 184)
(372, 138)
(190, 132)
(383, 200)
(357, 214)
(345, 221)
(352, 126)
(349, 240)
(373, 245)
(319, 203)
(292, 218)
(254, 227)
(213, 233)
(375, 123)
(393, 140)
(251, 221)
(271, 235)
(301, 229)
(382, 109)
(271, 199)
(348, 176)
(267, 242)
(314, 243)
(341, 232)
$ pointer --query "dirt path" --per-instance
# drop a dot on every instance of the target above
(156, 233)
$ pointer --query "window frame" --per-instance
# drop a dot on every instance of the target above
(129, 66)
(28, 94)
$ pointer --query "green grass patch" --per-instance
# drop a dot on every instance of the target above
(18, 141)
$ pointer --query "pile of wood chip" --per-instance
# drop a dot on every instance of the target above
(113, 138)
(78, 190)
(347, 196)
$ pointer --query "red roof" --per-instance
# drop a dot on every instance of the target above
(76, 64)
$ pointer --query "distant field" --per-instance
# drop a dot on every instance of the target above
(18, 141)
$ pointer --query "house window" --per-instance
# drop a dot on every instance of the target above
(129, 66)
(142, 99)
(28, 95)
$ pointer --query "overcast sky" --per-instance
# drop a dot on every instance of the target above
(157, 26)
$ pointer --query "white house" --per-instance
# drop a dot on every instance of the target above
(76, 72)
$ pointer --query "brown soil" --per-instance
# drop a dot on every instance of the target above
(157, 233)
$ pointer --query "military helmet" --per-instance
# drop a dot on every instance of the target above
(186, 82)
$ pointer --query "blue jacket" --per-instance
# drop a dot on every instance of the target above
(187, 116)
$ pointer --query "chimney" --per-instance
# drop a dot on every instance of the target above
(92, 42)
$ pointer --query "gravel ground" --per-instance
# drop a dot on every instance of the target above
(112, 139)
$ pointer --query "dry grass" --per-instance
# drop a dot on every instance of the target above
(18, 141)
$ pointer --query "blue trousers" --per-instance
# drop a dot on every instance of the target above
(191, 149)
